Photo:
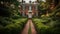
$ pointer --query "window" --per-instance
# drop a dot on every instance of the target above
(30, 8)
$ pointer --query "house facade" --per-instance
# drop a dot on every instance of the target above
(29, 9)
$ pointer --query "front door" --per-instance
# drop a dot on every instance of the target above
(30, 15)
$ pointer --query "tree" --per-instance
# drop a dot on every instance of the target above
(8, 7)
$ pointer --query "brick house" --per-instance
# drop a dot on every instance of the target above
(30, 8)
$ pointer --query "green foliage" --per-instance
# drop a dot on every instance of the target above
(51, 24)
(9, 8)
(10, 19)
(13, 28)
(43, 7)
(40, 27)
(47, 25)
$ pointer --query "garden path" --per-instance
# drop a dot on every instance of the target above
(26, 28)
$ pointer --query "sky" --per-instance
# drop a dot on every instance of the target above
(27, 1)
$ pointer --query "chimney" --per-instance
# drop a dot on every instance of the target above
(30, 1)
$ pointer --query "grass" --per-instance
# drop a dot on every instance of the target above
(29, 30)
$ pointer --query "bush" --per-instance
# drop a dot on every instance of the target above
(13, 28)
(47, 26)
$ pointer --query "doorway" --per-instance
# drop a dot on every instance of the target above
(30, 15)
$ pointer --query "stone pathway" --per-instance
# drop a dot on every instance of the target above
(26, 28)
